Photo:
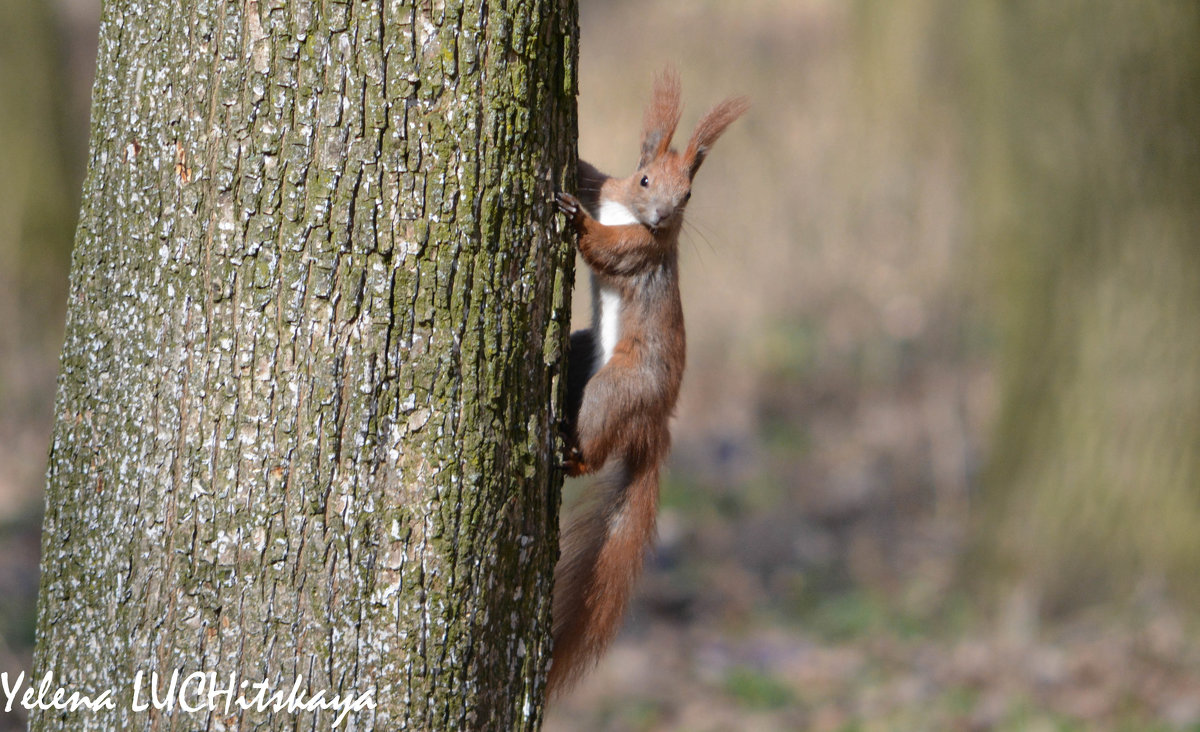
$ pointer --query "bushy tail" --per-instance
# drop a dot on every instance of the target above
(603, 548)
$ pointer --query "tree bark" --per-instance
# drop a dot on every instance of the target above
(318, 306)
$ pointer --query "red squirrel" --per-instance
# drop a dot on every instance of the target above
(624, 373)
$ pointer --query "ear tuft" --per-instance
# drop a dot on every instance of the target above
(662, 116)
(709, 128)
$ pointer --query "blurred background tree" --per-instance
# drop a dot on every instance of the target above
(38, 208)
(1087, 171)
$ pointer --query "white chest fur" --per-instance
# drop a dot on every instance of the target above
(606, 301)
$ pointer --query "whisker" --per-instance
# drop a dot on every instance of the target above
(691, 239)
(693, 228)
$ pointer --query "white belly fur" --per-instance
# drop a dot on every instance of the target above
(607, 300)
(609, 325)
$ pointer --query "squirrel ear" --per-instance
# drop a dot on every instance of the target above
(662, 116)
(709, 128)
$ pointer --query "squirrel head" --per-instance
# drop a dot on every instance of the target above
(659, 189)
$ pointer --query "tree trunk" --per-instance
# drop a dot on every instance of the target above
(1090, 180)
(318, 305)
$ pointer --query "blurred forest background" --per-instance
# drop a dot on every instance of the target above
(937, 459)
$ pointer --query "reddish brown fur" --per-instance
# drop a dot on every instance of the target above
(626, 404)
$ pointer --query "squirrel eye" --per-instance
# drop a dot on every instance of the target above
(687, 195)
(645, 181)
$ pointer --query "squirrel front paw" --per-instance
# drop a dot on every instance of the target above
(571, 207)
